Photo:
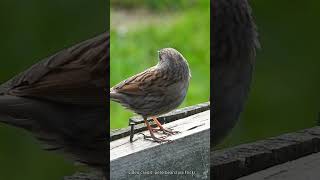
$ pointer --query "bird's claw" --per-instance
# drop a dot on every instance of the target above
(155, 139)
(167, 132)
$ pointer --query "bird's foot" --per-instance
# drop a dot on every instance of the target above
(160, 139)
(167, 132)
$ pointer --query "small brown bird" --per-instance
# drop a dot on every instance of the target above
(61, 100)
(156, 90)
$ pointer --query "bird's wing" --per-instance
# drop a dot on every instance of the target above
(76, 75)
(142, 84)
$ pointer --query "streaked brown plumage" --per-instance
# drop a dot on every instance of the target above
(156, 90)
(67, 76)
(234, 42)
(62, 101)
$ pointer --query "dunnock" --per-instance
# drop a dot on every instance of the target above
(234, 44)
(156, 90)
(62, 101)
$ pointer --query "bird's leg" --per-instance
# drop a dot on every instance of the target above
(152, 136)
(161, 128)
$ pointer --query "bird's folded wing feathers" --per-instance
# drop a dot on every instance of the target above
(76, 75)
(141, 84)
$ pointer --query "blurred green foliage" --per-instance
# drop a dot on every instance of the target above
(285, 92)
(162, 5)
(31, 30)
(135, 49)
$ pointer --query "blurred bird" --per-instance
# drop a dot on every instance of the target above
(234, 42)
(156, 90)
(62, 101)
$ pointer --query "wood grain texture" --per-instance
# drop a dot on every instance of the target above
(246, 159)
(305, 168)
(186, 157)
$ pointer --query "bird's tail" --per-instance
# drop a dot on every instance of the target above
(114, 96)
(22, 112)
(4, 87)
(11, 111)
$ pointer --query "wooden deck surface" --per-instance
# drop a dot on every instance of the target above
(186, 157)
(305, 168)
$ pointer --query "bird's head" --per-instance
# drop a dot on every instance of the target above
(171, 55)
(172, 58)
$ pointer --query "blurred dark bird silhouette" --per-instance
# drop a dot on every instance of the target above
(61, 100)
(234, 44)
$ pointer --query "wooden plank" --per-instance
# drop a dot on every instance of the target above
(186, 157)
(307, 167)
(139, 126)
(246, 159)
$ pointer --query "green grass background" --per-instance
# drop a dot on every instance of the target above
(186, 27)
